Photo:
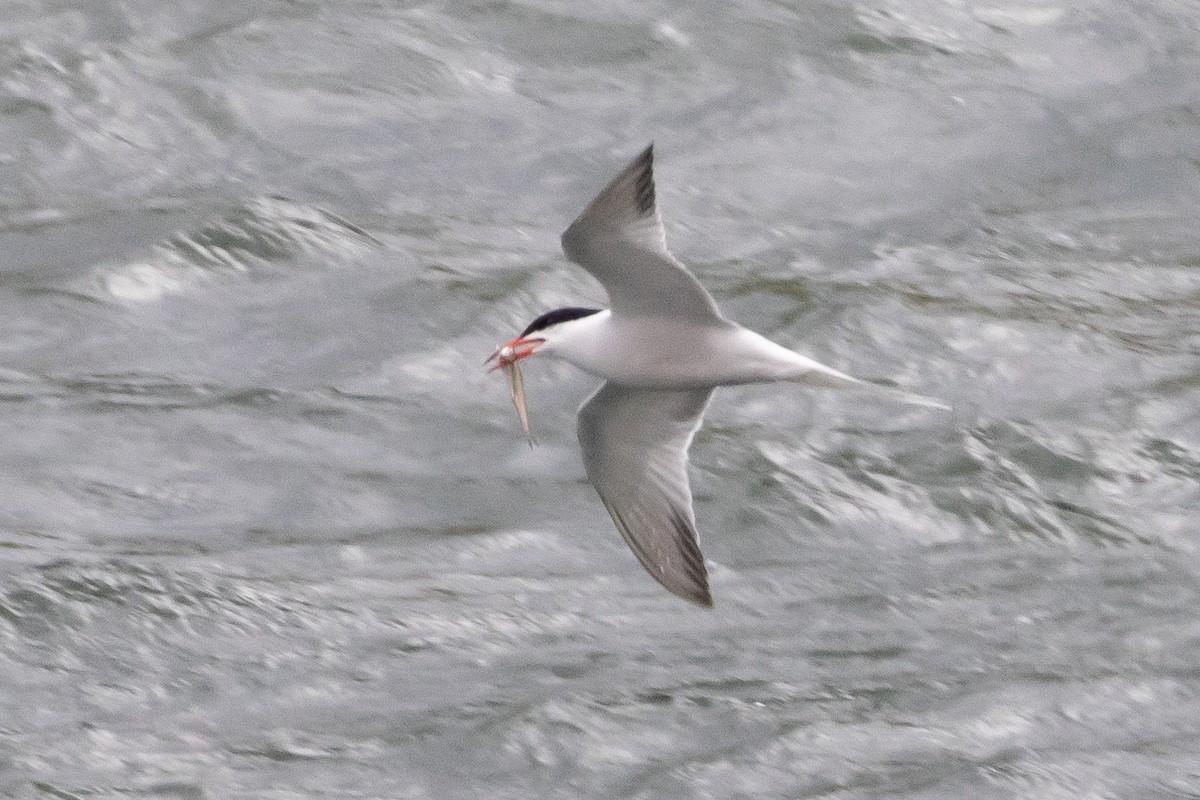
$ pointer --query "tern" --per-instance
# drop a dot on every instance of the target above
(661, 347)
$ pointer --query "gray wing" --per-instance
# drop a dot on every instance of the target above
(635, 444)
(619, 239)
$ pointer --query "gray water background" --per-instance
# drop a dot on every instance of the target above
(267, 530)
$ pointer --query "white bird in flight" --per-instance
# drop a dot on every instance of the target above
(661, 348)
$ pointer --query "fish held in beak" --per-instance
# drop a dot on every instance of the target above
(508, 358)
(514, 351)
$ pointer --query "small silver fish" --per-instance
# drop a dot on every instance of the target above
(512, 369)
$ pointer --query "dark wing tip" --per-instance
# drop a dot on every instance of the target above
(644, 189)
(627, 197)
(696, 589)
(689, 583)
(702, 597)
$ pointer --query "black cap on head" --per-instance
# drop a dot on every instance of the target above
(556, 316)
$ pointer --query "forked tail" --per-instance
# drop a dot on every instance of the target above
(899, 395)
(832, 379)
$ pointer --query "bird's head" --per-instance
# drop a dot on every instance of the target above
(540, 333)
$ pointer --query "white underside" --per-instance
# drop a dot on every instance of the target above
(672, 353)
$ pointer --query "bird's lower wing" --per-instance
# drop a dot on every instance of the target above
(635, 444)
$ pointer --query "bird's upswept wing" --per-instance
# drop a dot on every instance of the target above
(635, 444)
(619, 239)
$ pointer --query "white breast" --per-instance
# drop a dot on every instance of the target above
(669, 353)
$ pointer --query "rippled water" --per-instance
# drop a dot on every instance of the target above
(268, 530)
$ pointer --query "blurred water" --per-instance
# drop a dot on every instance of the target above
(269, 531)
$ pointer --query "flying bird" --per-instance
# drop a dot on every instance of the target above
(661, 347)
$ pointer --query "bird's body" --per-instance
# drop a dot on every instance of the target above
(680, 353)
(662, 347)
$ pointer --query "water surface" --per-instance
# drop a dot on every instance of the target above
(269, 531)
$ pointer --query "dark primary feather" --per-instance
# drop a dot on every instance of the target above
(644, 164)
